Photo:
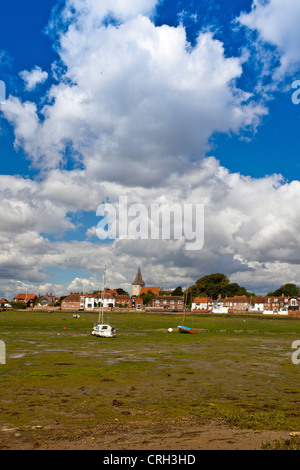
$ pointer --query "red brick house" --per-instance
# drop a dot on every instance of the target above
(28, 299)
(168, 302)
(139, 304)
(123, 301)
(73, 302)
(276, 304)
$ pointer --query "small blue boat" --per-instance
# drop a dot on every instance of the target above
(181, 328)
(186, 329)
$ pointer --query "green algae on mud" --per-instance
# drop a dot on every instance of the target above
(236, 369)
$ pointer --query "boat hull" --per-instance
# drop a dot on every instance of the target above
(104, 331)
(186, 330)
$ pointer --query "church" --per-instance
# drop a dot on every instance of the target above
(137, 284)
(139, 287)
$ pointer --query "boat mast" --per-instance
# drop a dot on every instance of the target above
(185, 300)
(102, 297)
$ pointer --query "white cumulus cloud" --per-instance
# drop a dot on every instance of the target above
(133, 94)
(33, 77)
(277, 23)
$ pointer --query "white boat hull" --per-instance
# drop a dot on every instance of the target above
(104, 331)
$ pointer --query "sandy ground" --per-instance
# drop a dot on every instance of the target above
(186, 435)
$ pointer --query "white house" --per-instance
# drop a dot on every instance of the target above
(95, 301)
(5, 303)
(202, 304)
(259, 305)
(217, 308)
(272, 305)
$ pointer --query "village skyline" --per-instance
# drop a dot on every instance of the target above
(171, 104)
(211, 293)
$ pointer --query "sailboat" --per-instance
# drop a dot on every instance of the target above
(182, 328)
(101, 329)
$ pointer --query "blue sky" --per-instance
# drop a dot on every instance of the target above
(24, 38)
(63, 153)
(25, 44)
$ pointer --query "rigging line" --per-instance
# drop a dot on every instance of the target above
(185, 300)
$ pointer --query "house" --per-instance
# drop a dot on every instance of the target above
(45, 301)
(73, 302)
(278, 304)
(123, 301)
(28, 299)
(111, 291)
(237, 303)
(4, 303)
(259, 304)
(153, 290)
(293, 303)
(168, 302)
(95, 300)
(217, 308)
(139, 305)
(202, 304)
(274, 304)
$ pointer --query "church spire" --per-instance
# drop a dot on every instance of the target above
(138, 279)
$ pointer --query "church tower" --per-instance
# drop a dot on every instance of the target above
(137, 284)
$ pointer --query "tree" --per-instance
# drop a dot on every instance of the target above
(58, 303)
(122, 291)
(19, 305)
(289, 290)
(214, 285)
(148, 298)
(234, 289)
(178, 291)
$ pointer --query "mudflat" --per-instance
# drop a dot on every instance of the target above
(232, 385)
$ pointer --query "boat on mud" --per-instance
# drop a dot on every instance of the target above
(105, 331)
(186, 330)
(181, 328)
(102, 329)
